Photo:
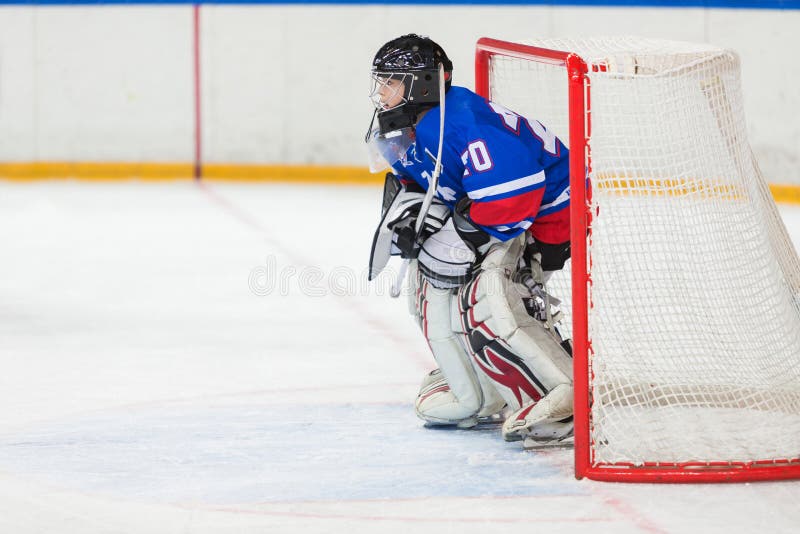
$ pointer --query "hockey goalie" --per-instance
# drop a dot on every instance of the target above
(476, 201)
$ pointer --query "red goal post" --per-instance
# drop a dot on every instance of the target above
(690, 466)
(575, 71)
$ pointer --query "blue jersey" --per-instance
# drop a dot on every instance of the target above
(515, 171)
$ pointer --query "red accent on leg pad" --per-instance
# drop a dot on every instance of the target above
(508, 375)
(522, 414)
(439, 389)
(473, 298)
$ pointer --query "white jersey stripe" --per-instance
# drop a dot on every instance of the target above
(560, 199)
(524, 225)
(507, 187)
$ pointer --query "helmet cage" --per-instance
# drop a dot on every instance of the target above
(420, 90)
(418, 87)
(390, 90)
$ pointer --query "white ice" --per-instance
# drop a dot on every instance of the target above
(209, 358)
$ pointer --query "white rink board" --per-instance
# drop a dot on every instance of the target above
(148, 388)
(287, 84)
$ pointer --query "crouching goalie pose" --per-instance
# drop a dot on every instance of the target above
(477, 201)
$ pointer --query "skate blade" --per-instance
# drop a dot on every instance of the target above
(530, 444)
(480, 423)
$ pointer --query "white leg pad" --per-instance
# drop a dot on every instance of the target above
(456, 396)
(522, 358)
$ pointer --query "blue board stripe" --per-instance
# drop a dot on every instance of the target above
(725, 4)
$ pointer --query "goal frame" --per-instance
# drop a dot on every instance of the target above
(579, 101)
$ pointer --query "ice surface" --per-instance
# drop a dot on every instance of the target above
(183, 358)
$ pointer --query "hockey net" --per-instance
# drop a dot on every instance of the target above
(687, 313)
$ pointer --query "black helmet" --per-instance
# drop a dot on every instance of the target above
(413, 60)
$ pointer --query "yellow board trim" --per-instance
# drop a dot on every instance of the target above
(113, 171)
(86, 171)
(316, 174)
(789, 194)
(670, 187)
(307, 174)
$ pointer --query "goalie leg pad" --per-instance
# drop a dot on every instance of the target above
(455, 394)
(435, 403)
(524, 359)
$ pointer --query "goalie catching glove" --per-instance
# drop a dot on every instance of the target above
(395, 234)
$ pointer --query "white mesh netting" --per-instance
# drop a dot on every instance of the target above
(694, 320)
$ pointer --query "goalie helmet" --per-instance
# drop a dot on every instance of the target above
(405, 75)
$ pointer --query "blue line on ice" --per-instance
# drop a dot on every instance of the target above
(271, 453)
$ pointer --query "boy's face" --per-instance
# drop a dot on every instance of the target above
(391, 92)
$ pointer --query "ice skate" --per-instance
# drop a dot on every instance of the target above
(548, 419)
